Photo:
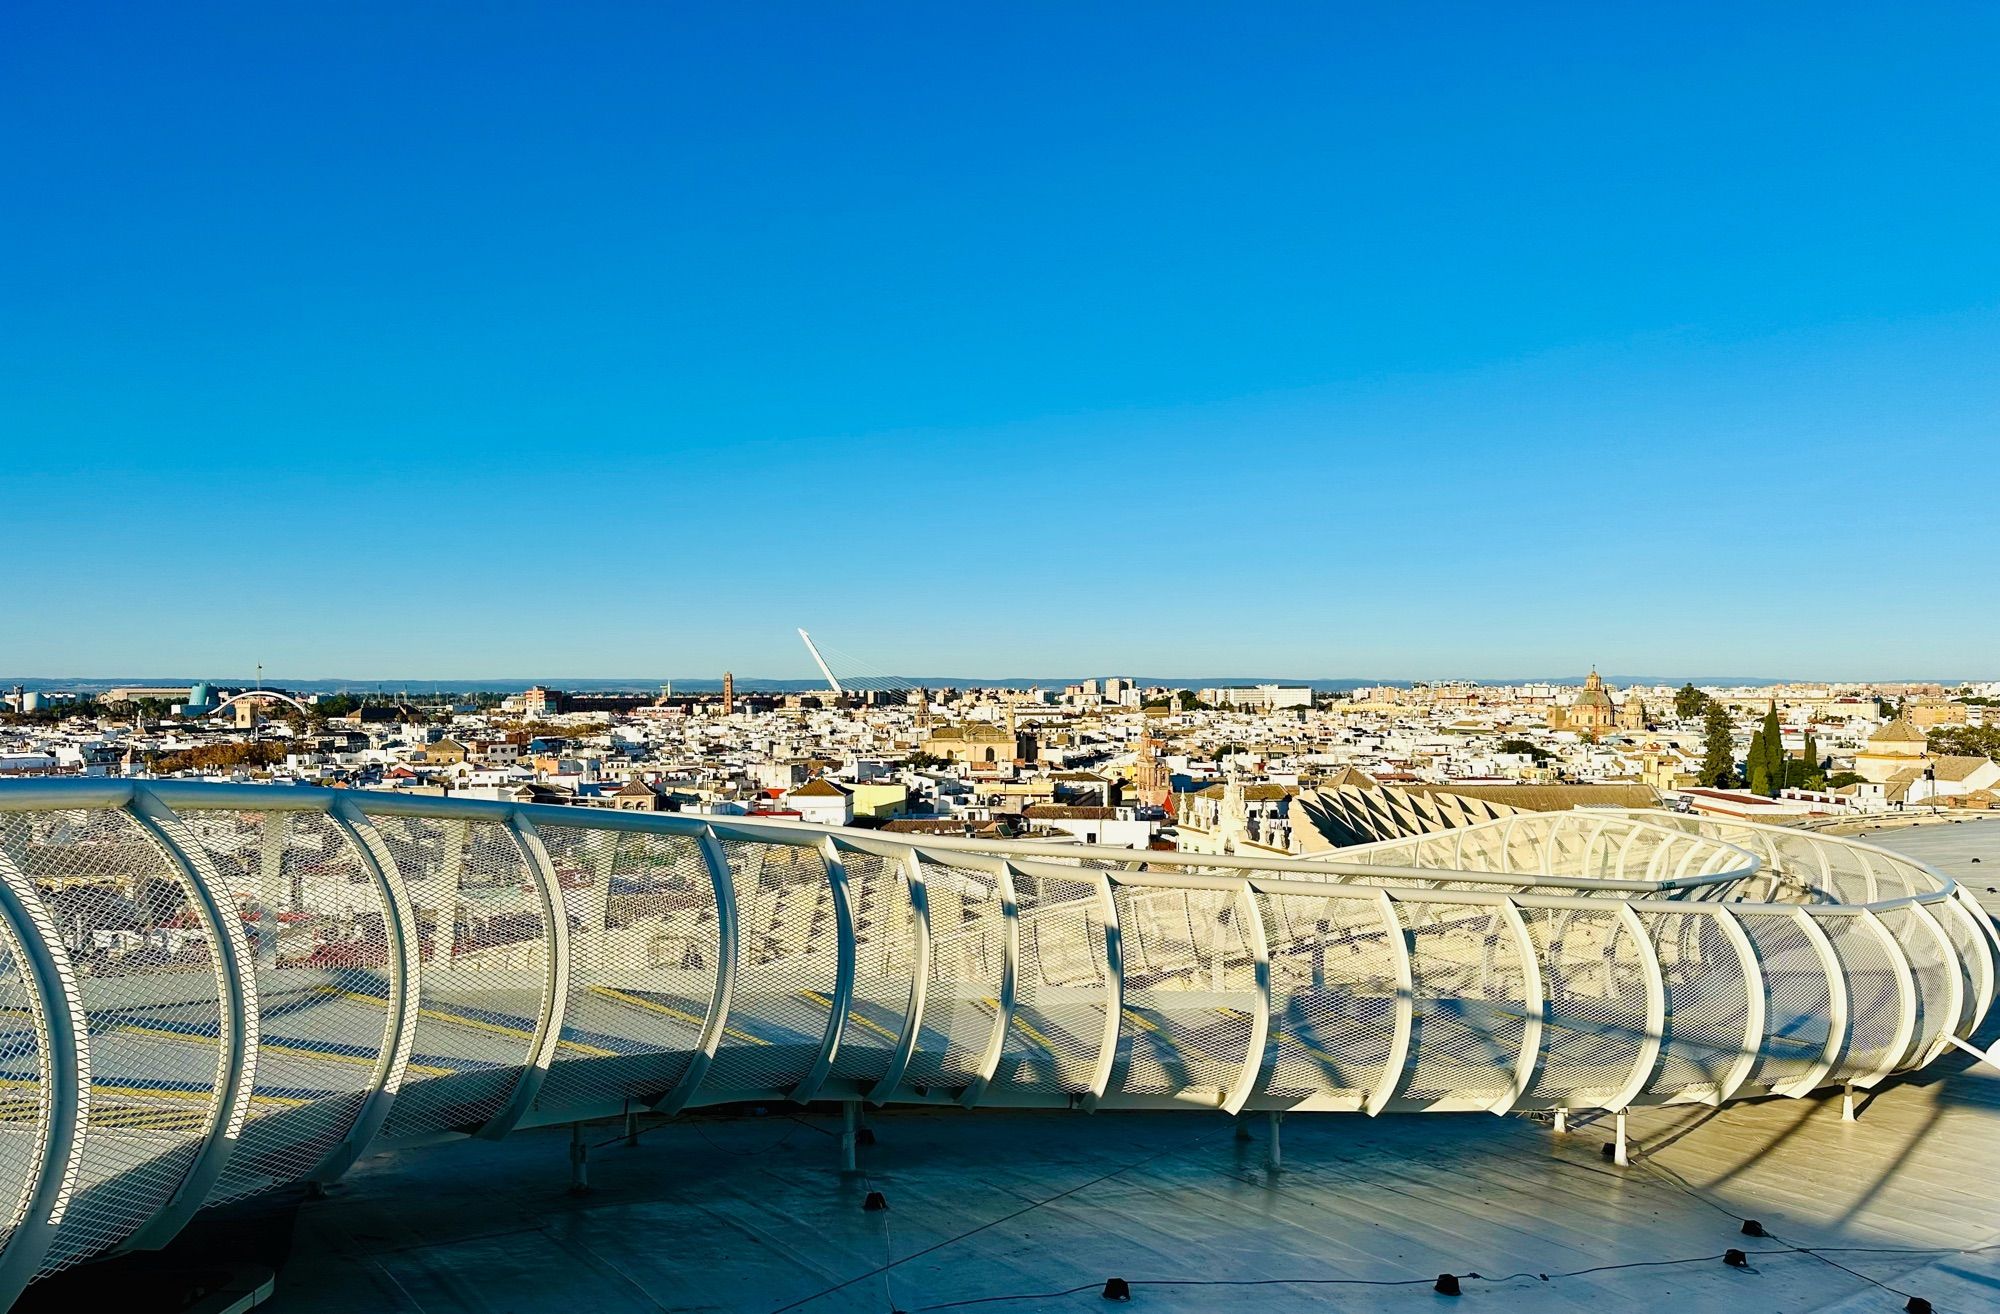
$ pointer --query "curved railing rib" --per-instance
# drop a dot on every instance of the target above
(216, 989)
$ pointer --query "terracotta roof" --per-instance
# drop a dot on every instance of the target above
(1897, 731)
(820, 788)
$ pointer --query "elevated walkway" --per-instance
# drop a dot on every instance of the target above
(214, 990)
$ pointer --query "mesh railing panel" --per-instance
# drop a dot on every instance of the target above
(644, 954)
(1062, 989)
(1708, 1003)
(483, 969)
(1933, 972)
(885, 956)
(961, 1007)
(1469, 1001)
(1190, 987)
(149, 987)
(24, 1089)
(1798, 1016)
(787, 959)
(1594, 1028)
(1875, 981)
(318, 931)
(1333, 997)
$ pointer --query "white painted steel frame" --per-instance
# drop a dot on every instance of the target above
(1610, 864)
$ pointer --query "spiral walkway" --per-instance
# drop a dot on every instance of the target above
(218, 989)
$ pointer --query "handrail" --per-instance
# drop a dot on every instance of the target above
(1116, 978)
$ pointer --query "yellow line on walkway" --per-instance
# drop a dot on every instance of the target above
(477, 1024)
(856, 1017)
(681, 1014)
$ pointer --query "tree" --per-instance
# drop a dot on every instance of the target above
(1689, 702)
(1718, 763)
(1773, 762)
(1757, 766)
(1813, 776)
(1526, 749)
(1965, 741)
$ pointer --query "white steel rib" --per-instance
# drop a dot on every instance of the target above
(213, 990)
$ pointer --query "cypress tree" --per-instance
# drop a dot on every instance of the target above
(1718, 761)
(1815, 773)
(1757, 767)
(1774, 754)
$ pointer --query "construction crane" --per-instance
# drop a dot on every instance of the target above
(824, 669)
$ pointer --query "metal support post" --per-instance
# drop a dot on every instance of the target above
(1562, 1122)
(579, 1161)
(1273, 1154)
(850, 1135)
(1622, 1156)
(1847, 1101)
(631, 1126)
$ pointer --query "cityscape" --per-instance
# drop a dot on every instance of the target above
(1241, 768)
(1014, 659)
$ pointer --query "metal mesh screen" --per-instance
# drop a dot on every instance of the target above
(1708, 1003)
(149, 986)
(1874, 982)
(1062, 990)
(317, 928)
(1190, 986)
(644, 954)
(1934, 973)
(1798, 1016)
(961, 1007)
(24, 1090)
(787, 958)
(482, 973)
(1469, 1002)
(1333, 998)
(885, 955)
(1596, 1000)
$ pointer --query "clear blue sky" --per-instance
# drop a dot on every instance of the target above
(503, 340)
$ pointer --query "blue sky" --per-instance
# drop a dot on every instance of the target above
(459, 341)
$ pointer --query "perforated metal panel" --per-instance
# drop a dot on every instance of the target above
(885, 956)
(1333, 998)
(962, 1002)
(787, 959)
(149, 986)
(24, 1084)
(1875, 982)
(1062, 992)
(1595, 1030)
(1708, 1003)
(644, 953)
(1190, 988)
(1798, 1020)
(482, 974)
(1469, 1000)
(317, 926)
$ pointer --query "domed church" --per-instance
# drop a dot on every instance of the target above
(1591, 714)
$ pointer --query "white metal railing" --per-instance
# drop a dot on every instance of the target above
(216, 989)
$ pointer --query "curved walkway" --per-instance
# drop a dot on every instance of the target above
(217, 989)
